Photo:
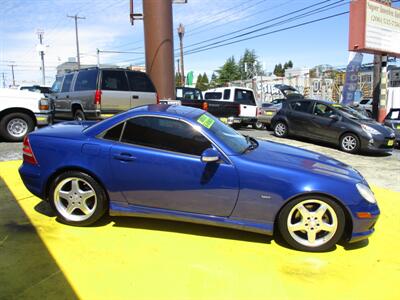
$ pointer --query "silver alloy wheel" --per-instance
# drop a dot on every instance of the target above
(259, 125)
(349, 143)
(280, 129)
(312, 223)
(75, 199)
(17, 127)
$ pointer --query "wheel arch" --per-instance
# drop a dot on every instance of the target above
(75, 106)
(8, 111)
(348, 228)
(69, 169)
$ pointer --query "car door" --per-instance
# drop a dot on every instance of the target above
(157, 164)
(142, 89)
(62, 103)
(115, 96)
(324, 126)
(298, 114)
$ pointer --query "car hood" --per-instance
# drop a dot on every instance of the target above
(285, 156)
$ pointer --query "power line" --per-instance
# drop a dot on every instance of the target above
(210, 46)
(258, 24)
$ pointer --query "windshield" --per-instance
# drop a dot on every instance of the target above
(232, 139)
(349, 112)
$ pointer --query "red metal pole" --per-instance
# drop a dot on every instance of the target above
(159, 44)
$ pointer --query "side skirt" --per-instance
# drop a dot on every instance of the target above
(118, 209)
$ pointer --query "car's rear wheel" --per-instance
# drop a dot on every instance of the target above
(15, 126)
(281, 129)
(258, 125)
(313, 223)
(350, 143)
(77, 198)
(79, 115)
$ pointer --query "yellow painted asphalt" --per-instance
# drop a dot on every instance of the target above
(133, 258)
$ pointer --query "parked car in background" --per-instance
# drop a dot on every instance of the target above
(269, 109)
(233, 106)
(392, 120)
(332, 123)
(20, 112)
(35, 88)
(183, 164)
(97, 93)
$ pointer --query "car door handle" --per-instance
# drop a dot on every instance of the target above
(124, 157)
(135, 97)
(244, 106)
(67, 96)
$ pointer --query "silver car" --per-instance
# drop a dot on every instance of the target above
(97, 93)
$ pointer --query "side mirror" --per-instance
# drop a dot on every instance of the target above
(334, 117)
(210, 155)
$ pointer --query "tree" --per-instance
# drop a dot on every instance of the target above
(178, 81)
(278, 70)
(213, 82)
(228, 72)
(205, 81)
(249, 66)
(199, 81)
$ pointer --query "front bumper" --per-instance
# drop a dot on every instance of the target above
(379, 143)
(43, 119)
(363, 227)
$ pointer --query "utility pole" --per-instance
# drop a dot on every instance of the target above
(41, 52)
(181, 33)
(159, 44)
(12, 72)
(77, 39)
(4, 81)
(98, 57)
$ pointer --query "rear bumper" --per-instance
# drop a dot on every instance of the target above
(248, 120)
(31, 178)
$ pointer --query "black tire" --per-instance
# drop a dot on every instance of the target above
(258, 125)
(77, 217)
(281, 129)
(288, 212)
(79, 115)
(350, 143)
(15, 126)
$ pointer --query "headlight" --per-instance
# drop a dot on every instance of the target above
(369, 129)
(366, 193)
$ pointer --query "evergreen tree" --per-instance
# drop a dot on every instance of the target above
(205, 82)
(199, 81)
(279, 71)
(178, 81)
(228, 72)
(249, 65)
(213, 82)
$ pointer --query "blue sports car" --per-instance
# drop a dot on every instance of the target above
(181, 163)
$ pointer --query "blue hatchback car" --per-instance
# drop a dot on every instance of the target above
(181, 163)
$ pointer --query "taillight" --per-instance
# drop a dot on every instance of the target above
(158, 98)
(205, 106)
(97, 97)
(43, 104)
(27, 152)
(239, 110)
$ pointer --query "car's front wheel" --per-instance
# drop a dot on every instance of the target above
(78, 198)
(350, 143)
(15, 126)
(311, 223)
(281, 129)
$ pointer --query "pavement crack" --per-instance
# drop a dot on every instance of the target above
(3, 240)
(38, 283)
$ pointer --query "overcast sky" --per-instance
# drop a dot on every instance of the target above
(107, 27)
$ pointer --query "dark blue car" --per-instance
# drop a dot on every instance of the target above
(181, 163)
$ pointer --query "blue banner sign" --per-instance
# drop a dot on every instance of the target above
(350, 86)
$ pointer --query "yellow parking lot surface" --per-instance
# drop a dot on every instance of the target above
(133, 258)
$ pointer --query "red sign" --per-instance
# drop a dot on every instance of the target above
(374, 28)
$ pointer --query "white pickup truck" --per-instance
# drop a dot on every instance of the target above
(21, 112)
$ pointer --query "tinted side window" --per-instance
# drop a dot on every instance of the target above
(86, 80)
(139, 82)
(227, 94)
(67, 83)
(114, 81)
(114, 133)
(165, 134)
(323, 110)
(301, 106)
(56, 87)
(213, 96)
(244, 97)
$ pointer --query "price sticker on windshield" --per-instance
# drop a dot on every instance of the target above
(206, 121)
